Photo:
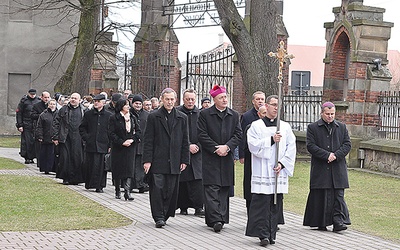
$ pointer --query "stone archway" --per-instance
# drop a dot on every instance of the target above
(356, 38)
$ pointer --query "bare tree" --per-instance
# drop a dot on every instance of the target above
(252, 40)
(85, 33)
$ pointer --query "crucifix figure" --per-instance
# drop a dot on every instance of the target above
(282, 56)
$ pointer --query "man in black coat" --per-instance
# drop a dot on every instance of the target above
(219, 134)
(328, 142)
(25, 125)
(66, 136)
(141, 115)
(244, 154)
(190, 181)
(93, 131)
(165, 155)
(37, 109)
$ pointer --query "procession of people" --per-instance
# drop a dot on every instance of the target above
(184, 156)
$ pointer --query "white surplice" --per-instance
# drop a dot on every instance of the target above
(263, 157)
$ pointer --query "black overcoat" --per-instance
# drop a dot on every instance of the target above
(61, 122)
(195, 159)
(93, 130)
(43, 129)
(214, 130)
(123, 158)
(166, 150)
(141, 116)
(320, 143)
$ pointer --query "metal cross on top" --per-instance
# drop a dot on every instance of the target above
(282, 56)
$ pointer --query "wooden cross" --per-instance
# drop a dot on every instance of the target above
(282, 56)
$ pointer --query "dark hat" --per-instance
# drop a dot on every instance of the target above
(216, 90)
(130, 96)
(116, 96)
(99, 97)
(137, 98)
(32, 91)
(205, 99)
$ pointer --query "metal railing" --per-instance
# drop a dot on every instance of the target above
(389, 114)
(302, 109)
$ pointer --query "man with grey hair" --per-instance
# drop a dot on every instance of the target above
(165, 155)
(66, 136)
(219, 133)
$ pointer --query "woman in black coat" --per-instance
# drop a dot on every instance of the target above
(43, 132)
(124, 133)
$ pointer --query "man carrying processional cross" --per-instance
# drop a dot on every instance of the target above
(271, 164)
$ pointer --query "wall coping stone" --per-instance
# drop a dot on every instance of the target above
(384, 145)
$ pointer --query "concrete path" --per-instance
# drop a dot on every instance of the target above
(181, 232)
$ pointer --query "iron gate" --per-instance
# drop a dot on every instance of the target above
(151, 73)
(206, 70)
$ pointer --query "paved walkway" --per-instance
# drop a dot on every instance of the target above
(181, 232)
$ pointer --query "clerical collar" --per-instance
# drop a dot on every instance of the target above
(269, 122)
(220, 110)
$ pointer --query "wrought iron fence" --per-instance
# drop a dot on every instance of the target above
(389, 114)
(302, 109)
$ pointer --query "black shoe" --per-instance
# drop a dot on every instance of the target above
(264, 242)
(337, 228)
(31, 161)
(160, 223)
(27, 161)
(322, 229)
(199, 212)
(217, 227)
(65, 182)
(128, 196)
(99, 190)
(271, 241)
(143, 190)
(184, 211)
(117, 195)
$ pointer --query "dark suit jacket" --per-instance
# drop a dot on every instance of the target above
(166, 150)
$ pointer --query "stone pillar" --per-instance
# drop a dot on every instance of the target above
(103, 75)
(155, 65)
(356, 37)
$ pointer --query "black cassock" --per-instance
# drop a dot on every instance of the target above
(263, 223)
(71, 152)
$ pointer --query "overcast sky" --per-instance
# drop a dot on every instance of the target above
(304, 21)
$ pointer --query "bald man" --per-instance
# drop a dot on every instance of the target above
(37, 109)
(66, 136)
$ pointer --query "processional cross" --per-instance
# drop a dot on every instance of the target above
(282, 57)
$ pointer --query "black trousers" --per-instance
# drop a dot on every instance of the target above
(163, 191)
(190, 194)
(216, 204)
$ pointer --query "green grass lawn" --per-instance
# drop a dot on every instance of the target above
(373, 200)
(36, 204)
(10, 141)
(8, 164)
